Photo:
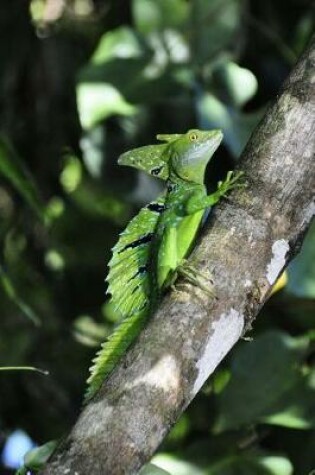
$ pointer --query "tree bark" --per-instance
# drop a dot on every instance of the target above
(246, 245)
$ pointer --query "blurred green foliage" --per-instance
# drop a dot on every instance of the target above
(80, 82)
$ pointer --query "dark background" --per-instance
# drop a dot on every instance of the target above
(80, 82)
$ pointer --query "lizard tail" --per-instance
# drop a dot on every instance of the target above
(112, 350)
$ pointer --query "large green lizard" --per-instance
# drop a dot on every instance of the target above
(152, 249)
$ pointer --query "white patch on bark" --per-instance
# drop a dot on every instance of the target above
(226, 332)
(279, 251)
(309, 213)
(164, 375)
(247, 283)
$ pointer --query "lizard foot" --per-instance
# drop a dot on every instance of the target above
(196, 278)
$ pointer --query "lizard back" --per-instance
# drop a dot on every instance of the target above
(132, 290)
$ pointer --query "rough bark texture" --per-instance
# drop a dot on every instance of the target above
(245, 246)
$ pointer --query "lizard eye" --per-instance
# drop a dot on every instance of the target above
(193, 136)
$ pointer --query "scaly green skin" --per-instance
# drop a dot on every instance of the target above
(155, 243)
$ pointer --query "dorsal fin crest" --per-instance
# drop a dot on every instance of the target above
(128, 278)
(168, 137)
(129, 283)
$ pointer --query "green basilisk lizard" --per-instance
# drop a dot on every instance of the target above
(153, 247)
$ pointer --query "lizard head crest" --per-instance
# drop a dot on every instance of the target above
(186, 154)
(151, 159)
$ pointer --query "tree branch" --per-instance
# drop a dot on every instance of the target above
(246, 245)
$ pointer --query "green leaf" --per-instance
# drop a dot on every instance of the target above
(277, 465)
(36, 458)
(296, 408)
(151, 469)
(302, 270)
(119, 43)
(96, 102)
(124, 72)
(267, 385)
(121, 83)
(234, 84)
(236, 462)
(88, 332)
(102, 83)
(176, 465)
(71, 175)
(247, 464)
(12, 168)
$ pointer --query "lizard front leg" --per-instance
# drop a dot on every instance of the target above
(199, 202)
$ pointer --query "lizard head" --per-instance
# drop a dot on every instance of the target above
(186, 155)
(191, 152)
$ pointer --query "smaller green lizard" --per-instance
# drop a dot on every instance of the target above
(154, 245)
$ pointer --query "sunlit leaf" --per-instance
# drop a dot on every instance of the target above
(37, 10)
(92, 146)
(226, 464)
(175, 465)
(277, 465)
(124, 72)
(234, 84)
(119, 43)
(36, 458)
(12, 168)
(54, 260)
(121, 83)
(151, 469)
(71, 174)
(96, 102)
(88, 332)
